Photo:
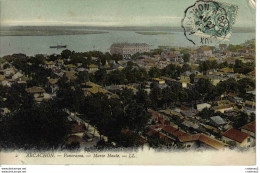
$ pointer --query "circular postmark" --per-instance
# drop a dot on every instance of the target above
(206, 21)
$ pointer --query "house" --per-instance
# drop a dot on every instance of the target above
(176, 56)
(4, 111)
(78, 129)
(9, 71)
(120, 68)
(37, 92)
(49, 64)
(172, 132)
(231, 60)
(217, 121)
(222, 46)
(250, 104)
(59, 62)
(184, 80)
(92, 68)
(211, 129)
(201, 141)
(205, 51)
(223, 108)
(171, 114)
(71, 75)
(154, 129)
(251, 92)
(81, 69)
(227, 70)
(69, 67)
(53, 84)
(186, 73)
(23, 79)
(198, 77)
(188, 112)
(156, 116)
(74, 139)
(249, 129)
(106, 66)
(249, 107)
(190, 125)
(2, 78)
(249, 110)
(159, 81)
(214, 79)
(17, 76)
(182, 83)
(235, 99)
(241, 139)
(202, 106)
(8, 82)
(92, 88)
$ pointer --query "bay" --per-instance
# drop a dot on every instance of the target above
(31, 45)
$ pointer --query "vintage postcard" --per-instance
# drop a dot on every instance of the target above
(128, 82)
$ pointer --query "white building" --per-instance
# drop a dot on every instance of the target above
(128, 49)
(201, 106)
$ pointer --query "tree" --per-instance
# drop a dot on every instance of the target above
(227, 86)
(204, 86)
(206, 113)
(172, 71)
(126, 96)
(186, 57)
(142, 97)
(117, 57)
(154, 72)
(43, 126)
(241, 120)
(192, 78)
(207, 65)
(136, 117)
(167, 96)
(6, 66)
(185, 67)
(17, 97)
(101, 76)
(83, 76)
(38, 59)
(156, 97)
(65, 54)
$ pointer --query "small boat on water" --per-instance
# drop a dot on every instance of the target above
(59, 46)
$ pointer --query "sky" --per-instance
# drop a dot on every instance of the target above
(108, 12)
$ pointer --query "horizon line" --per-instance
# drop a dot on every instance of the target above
(107, 26)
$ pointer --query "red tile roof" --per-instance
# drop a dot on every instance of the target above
(152, 132)
(74, 138)
(157, 126)
(204, 139)
(235, 135)
(155, 115)
(250, 127)
(169, 129)
(179, 133)
(211, 142)
(77, 128)
(187, 138)
(164, 137)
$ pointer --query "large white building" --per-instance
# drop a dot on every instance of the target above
(128, 49)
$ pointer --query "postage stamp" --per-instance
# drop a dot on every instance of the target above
(209, 20)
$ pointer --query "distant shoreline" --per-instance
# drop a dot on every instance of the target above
(154, 33)
(46, 32)
(110, 28)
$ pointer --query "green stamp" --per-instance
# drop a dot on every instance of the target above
(210, 19)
